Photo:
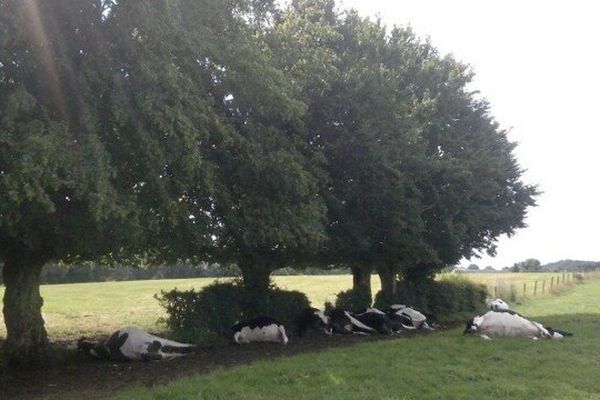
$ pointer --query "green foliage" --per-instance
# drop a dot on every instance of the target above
(211, 312)
(241, 131)
(449, 298)
(351, 300)
(193, 316)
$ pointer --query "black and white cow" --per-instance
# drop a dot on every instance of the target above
(510, 323)
(497, 305)
(377, 320)
(408, 317)
(261, 329)
(312, 319)
(134, 344)
(344, 323)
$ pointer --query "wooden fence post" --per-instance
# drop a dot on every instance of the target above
(551, 283)
(544, 286)
(557, 280)
(524, 288)
(535, 289)
(495, 291)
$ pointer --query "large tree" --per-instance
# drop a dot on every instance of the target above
(359, 121)
(420, 173)
(154, 131)
(99, 146)
(266, 202)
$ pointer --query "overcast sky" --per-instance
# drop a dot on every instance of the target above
(538, 64)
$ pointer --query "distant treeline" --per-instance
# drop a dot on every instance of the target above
(571, 265)
(88, 272)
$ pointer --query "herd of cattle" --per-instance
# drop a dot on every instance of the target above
(134, 344)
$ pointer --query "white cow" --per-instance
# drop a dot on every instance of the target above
(510, 323)
(134, 344)
(261, 329)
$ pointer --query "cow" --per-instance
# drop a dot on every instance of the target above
(314, 320)
(375, 319)
(260, 329)
(497, 304)
(134, 344)
(510, 323)
(408, 317)
(344, 323)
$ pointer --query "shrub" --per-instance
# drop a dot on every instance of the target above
(210, 313)
(351, 300)
(195, 315)
(448, 298)
(282, 305)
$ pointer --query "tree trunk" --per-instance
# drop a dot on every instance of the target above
(361, 280)
(387, 276)
(26, 338)
(256, 275)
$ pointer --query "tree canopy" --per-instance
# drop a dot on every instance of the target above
(237, 131)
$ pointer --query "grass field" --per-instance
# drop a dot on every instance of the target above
(444, 365)
(92, 308)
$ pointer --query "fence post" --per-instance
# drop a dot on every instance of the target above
(544, 286)
(563, 279)
(535, 289)
(551, 283)
(495, 291)
(524, 288)
(557, 280)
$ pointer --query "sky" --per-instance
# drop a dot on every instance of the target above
(538, 64)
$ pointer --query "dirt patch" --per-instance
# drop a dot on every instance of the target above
(81, 377)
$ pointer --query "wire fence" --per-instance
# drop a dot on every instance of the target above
(545, 284)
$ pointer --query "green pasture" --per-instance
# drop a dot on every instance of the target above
(102, 307)
(443, 365)
(98, 308)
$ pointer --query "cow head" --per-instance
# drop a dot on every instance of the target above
(497, 305)
(97, 350)
(473, 325)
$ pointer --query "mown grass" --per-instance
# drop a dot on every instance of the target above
(444, 365)
(102, 307)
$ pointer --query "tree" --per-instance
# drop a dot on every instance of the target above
(352, 118)
(529, 265)
(266, 204)
(98, 147)
(473, 267)
(421, 175)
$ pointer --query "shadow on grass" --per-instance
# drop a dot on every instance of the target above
(75, 376)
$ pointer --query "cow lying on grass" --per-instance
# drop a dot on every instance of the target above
(394, 320)
(408, 317)
(261, 329)
(134, 344)
(315, 320)
(510, 323)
